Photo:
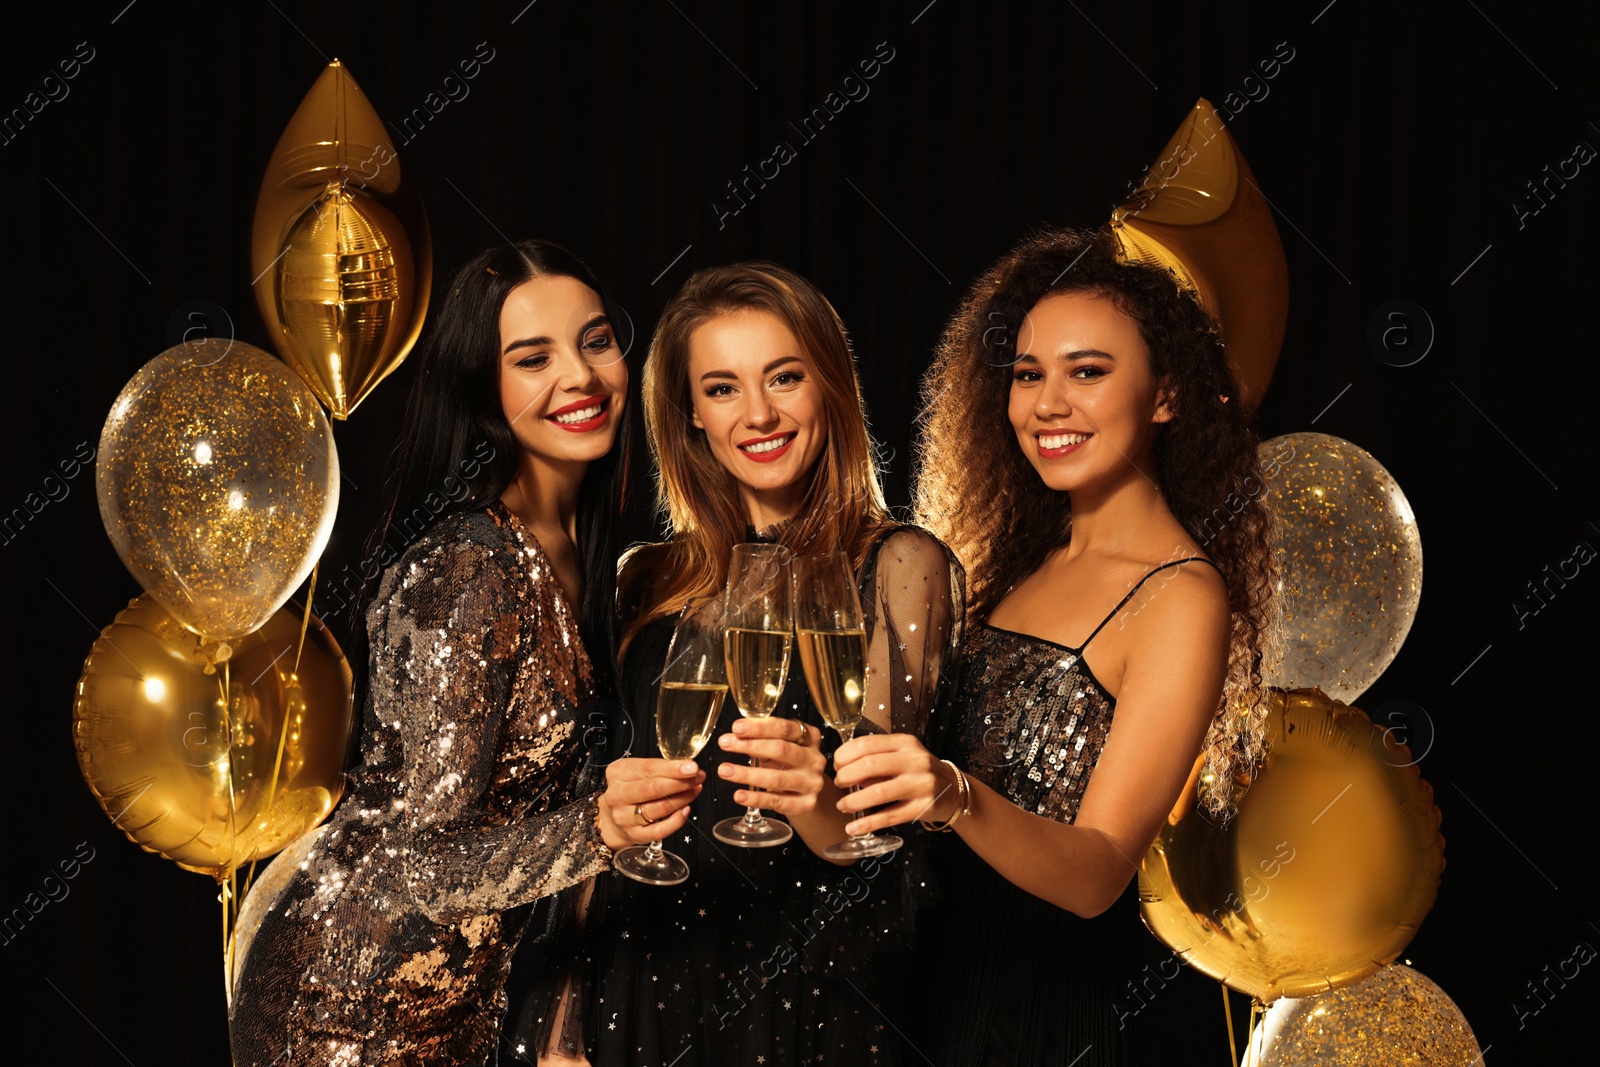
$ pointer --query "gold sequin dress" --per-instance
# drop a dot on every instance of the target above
(385, 936)
(1007, 979)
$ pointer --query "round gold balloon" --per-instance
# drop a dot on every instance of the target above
(1323, 875)
(340, 245)
(188, 776)
(1349, 564)
(1200, 214)
(1395, 1018)
(218, 482)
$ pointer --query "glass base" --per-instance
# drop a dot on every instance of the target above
(761, 833)
(859, 848)
(663, 868)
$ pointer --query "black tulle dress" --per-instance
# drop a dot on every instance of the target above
(1005, 979)
(765, 956)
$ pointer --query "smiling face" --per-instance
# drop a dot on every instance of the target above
(1084, 402)
(755, 396)
(563, 382)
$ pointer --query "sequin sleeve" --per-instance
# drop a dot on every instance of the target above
(912, 592)
(452, 635)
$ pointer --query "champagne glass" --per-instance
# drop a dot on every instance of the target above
(757, 642)
(693, 685)
(833, 651)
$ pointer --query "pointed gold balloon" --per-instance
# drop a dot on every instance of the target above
(340, 246)
(1200, 213)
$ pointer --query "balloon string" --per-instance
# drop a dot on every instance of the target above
(1257, 1015)
(1227, 1011)
(225, 878)
(227, 940)
(227, 719)
(283, 733)
(305, 620)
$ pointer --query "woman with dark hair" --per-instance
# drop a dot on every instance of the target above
(1085, 456)
(767, 954)
(385, 936)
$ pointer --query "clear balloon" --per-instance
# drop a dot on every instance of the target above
(1324, 874)
(1200, 214)
(1349, 564)
(218, 483)
(1395, 1018)
(212, 768)
(340, 245)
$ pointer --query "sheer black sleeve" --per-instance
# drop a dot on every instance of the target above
(912, 602)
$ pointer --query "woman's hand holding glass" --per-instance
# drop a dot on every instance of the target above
(790, 776)
(896, 774)
(692, 687)
(646, 799)
(757, 643)
(832, 642)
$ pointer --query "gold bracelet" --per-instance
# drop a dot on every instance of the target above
(963, 802)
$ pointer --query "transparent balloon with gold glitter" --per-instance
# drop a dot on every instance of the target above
(218, 483)
(1396, 1018)
(1349, 564)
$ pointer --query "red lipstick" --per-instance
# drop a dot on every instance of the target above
(593, 423)
(770, 456)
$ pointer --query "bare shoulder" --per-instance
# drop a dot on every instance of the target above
(1186, 600)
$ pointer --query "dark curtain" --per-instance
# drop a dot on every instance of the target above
(1396, 147)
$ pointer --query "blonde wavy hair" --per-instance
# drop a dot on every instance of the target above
(842, 508)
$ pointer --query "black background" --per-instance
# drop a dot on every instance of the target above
(1393, 147)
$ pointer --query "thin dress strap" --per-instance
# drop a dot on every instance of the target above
(1135, 589)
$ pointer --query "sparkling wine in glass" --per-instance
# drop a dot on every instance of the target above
(756, 643)
(833, 651)
(688, 703)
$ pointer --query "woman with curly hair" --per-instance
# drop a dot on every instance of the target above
(1086, 457)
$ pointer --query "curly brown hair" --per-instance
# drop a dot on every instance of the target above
(991, 507)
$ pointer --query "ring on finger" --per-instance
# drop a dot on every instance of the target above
(804, 736)
(638, 812)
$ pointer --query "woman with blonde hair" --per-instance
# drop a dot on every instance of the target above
(766, 954)
(1086, 457)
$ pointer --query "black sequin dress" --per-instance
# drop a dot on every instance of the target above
(1006, 979)
(770, 956)
(385, 936)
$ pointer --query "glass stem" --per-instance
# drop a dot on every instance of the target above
(652, 852)
(845, 735)
(753, 816)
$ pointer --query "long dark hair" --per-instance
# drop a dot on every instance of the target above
(458, 451)
(990, 505)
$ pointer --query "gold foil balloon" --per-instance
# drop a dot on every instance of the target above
(188, 775)
(1323, 875)
(340, 246)
(1395, 1018)
(1349, 564)
(1199, 213)
(218, 482)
